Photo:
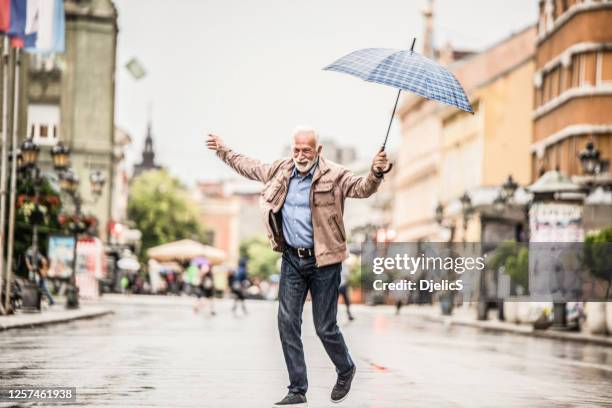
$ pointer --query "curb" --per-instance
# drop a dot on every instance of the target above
(526, 331)
(45, 320)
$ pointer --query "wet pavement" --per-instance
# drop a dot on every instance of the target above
(159, 353)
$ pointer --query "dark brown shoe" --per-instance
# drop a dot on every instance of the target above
(343, 386)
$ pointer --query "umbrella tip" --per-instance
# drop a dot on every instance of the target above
(413, 41)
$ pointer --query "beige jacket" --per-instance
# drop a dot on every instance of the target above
(331, 184)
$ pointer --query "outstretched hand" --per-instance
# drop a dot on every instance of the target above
(214, 142)
(380, 162)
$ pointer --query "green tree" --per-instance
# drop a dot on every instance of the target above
(514, 257)
(597, 256)
(262, 260)
(162, 210)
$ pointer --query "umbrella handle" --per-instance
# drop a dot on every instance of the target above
(389, 166)
(388, 169)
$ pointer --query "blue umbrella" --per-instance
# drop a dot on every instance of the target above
(405, 70)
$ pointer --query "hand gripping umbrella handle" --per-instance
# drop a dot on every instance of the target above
(389, 166)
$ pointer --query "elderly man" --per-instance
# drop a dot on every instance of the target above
(303, 202)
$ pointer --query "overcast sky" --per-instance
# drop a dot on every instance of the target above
(250, 70)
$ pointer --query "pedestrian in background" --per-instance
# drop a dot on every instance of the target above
(38, 267)
(238, 281)
(344, 288)
(206, 290)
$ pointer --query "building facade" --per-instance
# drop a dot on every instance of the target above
(446, 152)
(230, 211)
(71, 97)
(572, 85)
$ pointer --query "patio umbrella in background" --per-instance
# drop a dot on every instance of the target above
(404, 70)
(185, 250)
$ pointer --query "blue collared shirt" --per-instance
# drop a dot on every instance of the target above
(297, 222)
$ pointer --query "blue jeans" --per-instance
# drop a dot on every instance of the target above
(298, 275)
(42, 284)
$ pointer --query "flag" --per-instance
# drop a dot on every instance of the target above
(5, 15)
(32, 17)
(136, 69)
(46, 27)
(17, 22)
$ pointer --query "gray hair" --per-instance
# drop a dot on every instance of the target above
(305, 129)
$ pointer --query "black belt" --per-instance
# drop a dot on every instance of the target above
(301, 252)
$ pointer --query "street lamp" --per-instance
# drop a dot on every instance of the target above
(499, 204)
(439, 214)
(508, 188)
(61, 157)
(29, 153)
(467, 209)
(97, 181)
(69, 182)
(589, 159)
(466, 203)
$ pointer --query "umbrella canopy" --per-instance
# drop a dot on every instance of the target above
(199, 261)
(404, 70)
(186, 250)
(129, 264)
(407, 70)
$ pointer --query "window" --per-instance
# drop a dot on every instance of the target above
(590, 68)
(560, 7)
(576, 61)
(606, 67)
(43, 122)
(554, 83)
(567, 78)
(546, 86)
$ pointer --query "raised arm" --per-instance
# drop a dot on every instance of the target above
(245, 166)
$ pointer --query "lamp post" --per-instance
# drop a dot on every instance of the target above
(508, 188)
(446, 299)
(467, 209)
(439, 217)
(589, 159)
(69, 183)
(28, 165)
(501, 203)
(29, 159)
(27, 162)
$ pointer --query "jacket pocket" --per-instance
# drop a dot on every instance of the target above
(272, 193)
(335, 225)
(323, 194)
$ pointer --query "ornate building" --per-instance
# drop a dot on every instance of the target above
(70, 97)
(572, 85)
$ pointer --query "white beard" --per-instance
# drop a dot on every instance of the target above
(304, 168)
